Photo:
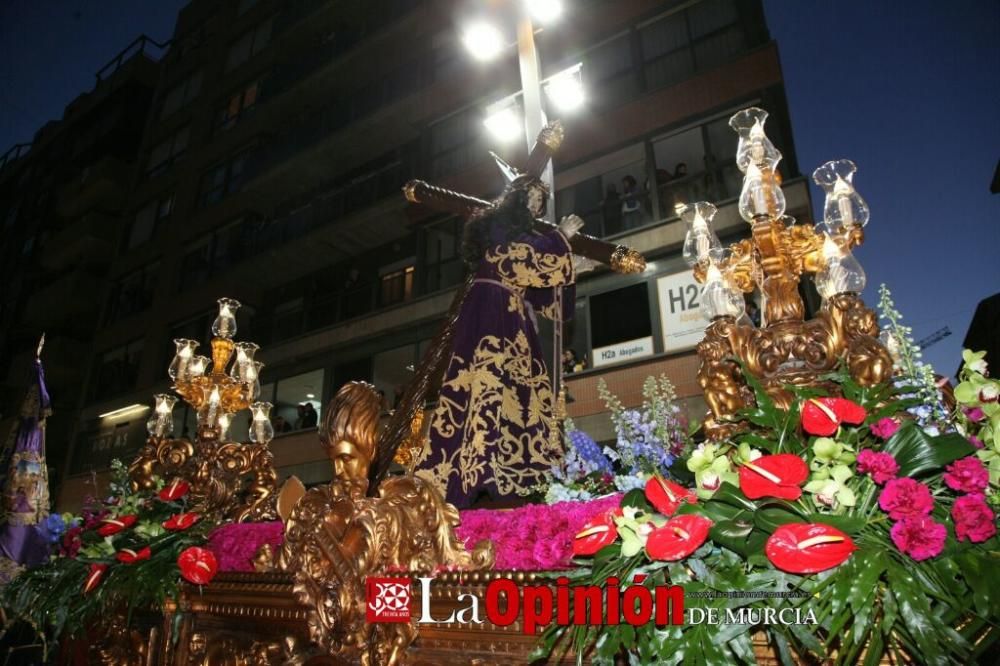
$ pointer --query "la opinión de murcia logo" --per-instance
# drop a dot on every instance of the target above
(388, 599)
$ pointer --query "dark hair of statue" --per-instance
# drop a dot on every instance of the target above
(510, 212)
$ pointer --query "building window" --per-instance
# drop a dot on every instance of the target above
(148, 220)
(249, 44)
(397, 286)
(133, 292)
(442, 246)
(167, 152)
(196, 263)
(291, 395)
(181, 94)
(620, 315)
(223, 179)
(608, 68)
(117, 371)
(238, 106)
(456, 142)
(392, 370)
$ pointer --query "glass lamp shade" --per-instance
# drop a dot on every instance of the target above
(179, 365)
(842, 272)
(211, 408)
(243, 361)
(261, 430)
(252, 379)
(161, 421)
(718, 299)
(843, 207)
(197, 367)
(224, 325)
(700, 241)
(761, 195)
(754, 147)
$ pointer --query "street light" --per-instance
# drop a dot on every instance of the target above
(483, 40)
(503, 120)
(565, 89)
(544, 10)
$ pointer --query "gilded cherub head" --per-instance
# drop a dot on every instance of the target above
(349, 433)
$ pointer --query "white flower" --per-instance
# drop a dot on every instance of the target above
(989, 393)
(979, 365)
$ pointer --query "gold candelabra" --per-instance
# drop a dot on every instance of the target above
(217, 389)
(786, 349)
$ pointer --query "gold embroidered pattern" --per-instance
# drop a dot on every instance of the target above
(522, 265)
(500, 376)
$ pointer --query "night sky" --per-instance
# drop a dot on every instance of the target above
(908, 90)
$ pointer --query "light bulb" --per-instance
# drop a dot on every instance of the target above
(224, 325)
(197, 367)
(244, 360)
(225, 420)
(841, 273)
(179, 365)
(843, 207)
(161, 421)
(718, 298)
(261, 430)
(699, 241)
(761, 195)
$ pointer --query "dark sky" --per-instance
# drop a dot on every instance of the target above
(908, 90)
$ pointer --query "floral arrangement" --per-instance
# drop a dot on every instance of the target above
(844, 509)
(648, 441)
(128, 551)
(978, 414)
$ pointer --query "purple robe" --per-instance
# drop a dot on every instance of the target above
(493, 429)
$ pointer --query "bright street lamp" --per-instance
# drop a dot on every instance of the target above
(504, 121)
(565, 89)
(544, 10)
(483, 41)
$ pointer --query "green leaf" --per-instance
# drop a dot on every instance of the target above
(771, 518)
(917, 453)
(637, 498)
(733, 496)
(732, 535)
(915, 612)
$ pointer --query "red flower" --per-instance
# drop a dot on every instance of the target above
(804, 548)
(94, 576)
(681, 536)
(197, 565)
(176, 490)
(116, 525)
(597, 534)
(181, 521)
(822, 416)
(779, 475)
(666, 495)
(129, 556)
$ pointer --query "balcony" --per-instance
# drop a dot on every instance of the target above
(103, 183)
(84, 243)
(72, 299)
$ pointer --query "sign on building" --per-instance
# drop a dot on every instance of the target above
(623, 351)
(680, 311)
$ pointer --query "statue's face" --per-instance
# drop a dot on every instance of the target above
(350, 466)
(536, 201)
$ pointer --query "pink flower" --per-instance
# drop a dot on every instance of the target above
(919, 537)
(885, 428)
(973, 519)
(967, 475)
(881, 466)
(976, 442)
(974, 414)
(906, 498)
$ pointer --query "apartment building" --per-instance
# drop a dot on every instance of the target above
(278, 139)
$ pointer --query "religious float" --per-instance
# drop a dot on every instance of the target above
(836, 506)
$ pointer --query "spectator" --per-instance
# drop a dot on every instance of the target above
(631, 208)
(681, 170)
(300, 418)
(571, 363)
(280, 424)
(309, 415)
(612, 210)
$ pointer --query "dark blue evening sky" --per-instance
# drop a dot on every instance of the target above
(908, 90)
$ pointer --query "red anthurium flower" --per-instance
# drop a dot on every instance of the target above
(197, 565)
(176, 490)
(597, 533)
(822, 416)
(779, 475)
(94, 576)
(666, 495)
(129, 556)
(111, 526)
(681, 536)
(804, 548)
(181, 521)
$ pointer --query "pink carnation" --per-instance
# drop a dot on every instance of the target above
(975, 414)
(967, 475)
(919, 537)
(973, 519)
(905, 498)
(881, 466)
(976, 442)
(885, 428)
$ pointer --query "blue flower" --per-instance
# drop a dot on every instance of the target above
(54, 526)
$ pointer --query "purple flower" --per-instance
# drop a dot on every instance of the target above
(976, 442)
(880, 466)
(974, 414)
(967, 475)
(919, 537)
(906, 498)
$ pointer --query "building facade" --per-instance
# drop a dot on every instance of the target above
(280, 134)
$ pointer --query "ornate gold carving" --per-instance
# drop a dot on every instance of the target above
(222, 648)
(336, 536)
(552, 135)
(626, 260)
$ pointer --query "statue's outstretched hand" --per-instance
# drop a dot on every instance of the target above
(570, 225)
